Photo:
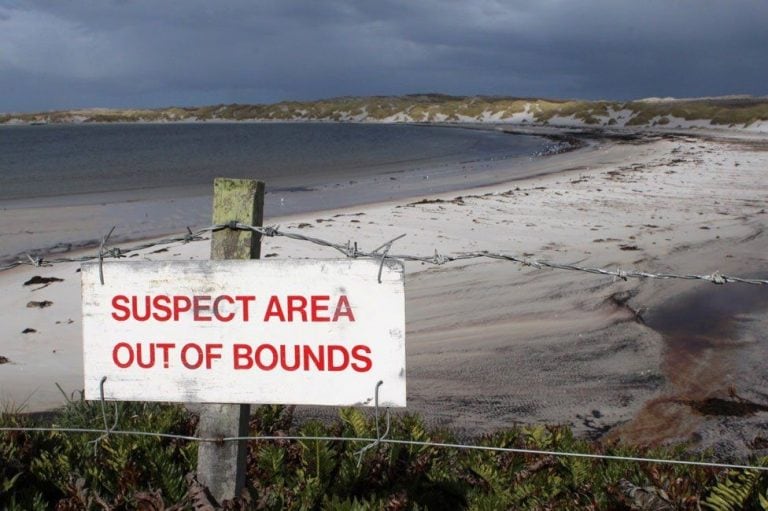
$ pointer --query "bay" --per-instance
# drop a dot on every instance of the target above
(57, 160)
(63, 186)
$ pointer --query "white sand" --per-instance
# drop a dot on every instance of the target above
(492, 343)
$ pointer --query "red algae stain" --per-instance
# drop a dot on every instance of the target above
(703, 349)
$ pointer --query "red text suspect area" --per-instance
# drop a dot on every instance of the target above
(226, 308)
(243, 308)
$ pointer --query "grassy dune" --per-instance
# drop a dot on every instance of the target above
(726, 111)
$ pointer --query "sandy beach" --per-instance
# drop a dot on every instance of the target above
(494, 343)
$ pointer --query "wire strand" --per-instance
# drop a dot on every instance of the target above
(394, 441)
(351, 250)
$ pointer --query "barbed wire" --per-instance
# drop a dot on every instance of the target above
(352, 250)
(104, 252)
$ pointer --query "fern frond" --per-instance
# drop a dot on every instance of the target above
(733, 492)
(355, 419)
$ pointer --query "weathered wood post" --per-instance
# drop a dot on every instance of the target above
(221, 467)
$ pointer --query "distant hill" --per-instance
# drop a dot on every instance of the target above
(741, 112)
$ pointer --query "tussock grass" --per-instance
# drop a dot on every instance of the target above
(721, 112)
(743, 111)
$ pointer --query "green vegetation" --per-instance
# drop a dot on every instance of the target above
(66, 471)
(47, 470)
(738, 111)
(585, 111)
(745, 111)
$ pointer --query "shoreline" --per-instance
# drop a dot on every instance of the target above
(494, 343)
(131, 210)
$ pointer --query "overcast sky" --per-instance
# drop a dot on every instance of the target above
(58, 54)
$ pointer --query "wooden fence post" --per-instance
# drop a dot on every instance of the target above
(221, 467)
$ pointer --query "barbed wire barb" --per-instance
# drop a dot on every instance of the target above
(388, 243)
(386, 246)
(104, 241)
(37, 262)
(191, 236)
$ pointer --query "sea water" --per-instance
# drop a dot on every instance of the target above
(63, 186)
(56, 160)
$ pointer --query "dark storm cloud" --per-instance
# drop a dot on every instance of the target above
(62, 54)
